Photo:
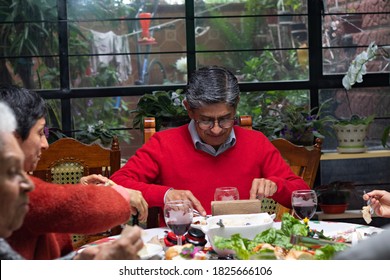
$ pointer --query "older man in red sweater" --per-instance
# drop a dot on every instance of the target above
(190, 161)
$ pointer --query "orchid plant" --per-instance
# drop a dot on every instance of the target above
(358, 69)
(358, 66)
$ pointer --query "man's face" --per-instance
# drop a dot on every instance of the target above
(14, 186)
(216, 135)
(32, 147)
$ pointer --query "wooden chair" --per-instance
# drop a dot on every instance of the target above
(304, 162)
(67, 160)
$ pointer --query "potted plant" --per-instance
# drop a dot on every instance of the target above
(166, 106)
(96, 133)
(351, 133)
(333, 198)
(295, 123)
(357, 124)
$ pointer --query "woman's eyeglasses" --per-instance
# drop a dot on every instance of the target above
(223, 123)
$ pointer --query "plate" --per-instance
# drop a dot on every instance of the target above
(148, 234)
(150, 250)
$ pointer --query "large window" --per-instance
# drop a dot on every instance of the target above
(94, 57)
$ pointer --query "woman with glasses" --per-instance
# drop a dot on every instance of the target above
(190, 161)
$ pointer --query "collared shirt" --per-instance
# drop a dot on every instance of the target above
(200, 145)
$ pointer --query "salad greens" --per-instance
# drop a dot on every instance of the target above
(246, 249)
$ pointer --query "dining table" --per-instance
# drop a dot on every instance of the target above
(154, 237)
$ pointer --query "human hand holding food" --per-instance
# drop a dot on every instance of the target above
(380, 202)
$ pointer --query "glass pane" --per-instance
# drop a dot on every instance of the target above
(248, 7)
(32, 73)
(363, 102)
(271, 111)
(149, 69)
(27, 39)
(239, 33)
(109, 9)
(107, 37)
(102, 113)
(17, 10)
(261, 66)
(348, 28)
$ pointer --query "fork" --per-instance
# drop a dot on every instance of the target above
(369, 204)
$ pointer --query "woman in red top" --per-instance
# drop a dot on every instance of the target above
(56, 211)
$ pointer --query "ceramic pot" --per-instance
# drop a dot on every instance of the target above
(351, 138)
(333, 209)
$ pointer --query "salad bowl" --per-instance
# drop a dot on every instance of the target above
(247, 225)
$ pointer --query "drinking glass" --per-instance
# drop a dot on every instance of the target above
(226, 193)
(304, 203)
(178, 216)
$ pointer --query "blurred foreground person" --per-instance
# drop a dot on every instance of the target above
(15, 187)
(57, 211)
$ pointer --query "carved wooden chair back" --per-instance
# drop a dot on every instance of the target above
(67, 160)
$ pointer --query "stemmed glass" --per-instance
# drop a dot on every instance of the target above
(226, 193)
(178, 216)
(304, 203)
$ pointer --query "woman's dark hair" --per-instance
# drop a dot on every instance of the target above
(210, 85)
(27, 105)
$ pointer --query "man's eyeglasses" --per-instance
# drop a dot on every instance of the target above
(223, 123)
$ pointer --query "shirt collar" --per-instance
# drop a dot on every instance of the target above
(200, 145)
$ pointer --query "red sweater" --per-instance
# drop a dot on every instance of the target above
(58, 210)
(170, 160)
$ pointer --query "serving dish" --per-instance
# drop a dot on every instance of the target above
(247, 225)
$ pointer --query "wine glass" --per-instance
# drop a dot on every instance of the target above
(178, 216)
(226, 193)
(304, 203)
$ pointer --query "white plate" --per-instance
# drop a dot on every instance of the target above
(148, 234)
(337, 229)
(150, 250)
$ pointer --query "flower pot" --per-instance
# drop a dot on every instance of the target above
(333, 208)
(351, 138)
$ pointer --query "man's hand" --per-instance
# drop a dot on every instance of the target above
(182, 194)
(262, 188)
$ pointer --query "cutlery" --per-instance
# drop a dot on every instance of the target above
(196, 213)
(310, 241)
(369, 204)
(220, 223)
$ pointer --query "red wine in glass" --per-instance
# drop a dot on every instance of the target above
(304, 203)
(178, 216)
(305, 210)
(179, 229)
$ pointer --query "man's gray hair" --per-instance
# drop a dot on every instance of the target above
(7, 118)
(211, 85)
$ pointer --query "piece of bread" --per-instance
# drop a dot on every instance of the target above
(367, 214)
